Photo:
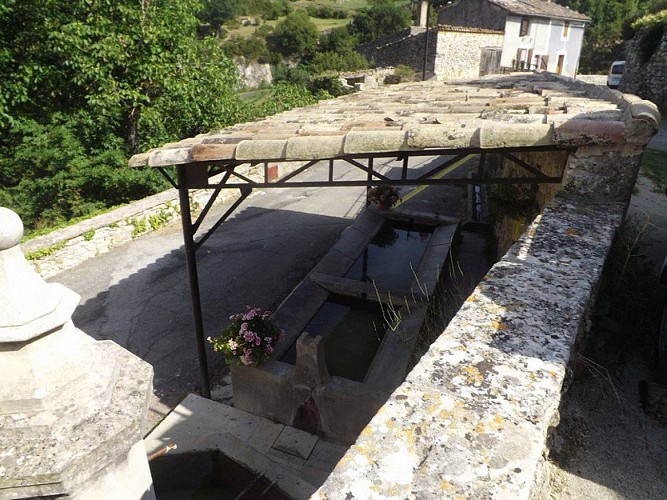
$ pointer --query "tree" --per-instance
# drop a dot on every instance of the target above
(86, 83)
(296, 35)
(604, 36)
(382, 18)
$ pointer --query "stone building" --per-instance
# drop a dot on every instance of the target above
(478, 37)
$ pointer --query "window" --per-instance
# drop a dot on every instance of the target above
(525, 24)
(566, 29)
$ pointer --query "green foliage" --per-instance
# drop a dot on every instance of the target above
(85, 84)
(654, 166)
(88, 235)
(286, 96)
(654, 19)
(326, 86)
(611, 23)
(218, 12)
(296, 35)
(253, 49)
(405, 73)
(139, 226)
(649, 41)
(338, 40)
(44, 252)
(56, 176)
(336, 61)
(268, 9)
(326, 12)
(159, 219)
(382, 18)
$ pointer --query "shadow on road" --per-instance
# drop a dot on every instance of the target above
(255, 258)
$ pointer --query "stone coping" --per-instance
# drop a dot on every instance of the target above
(421, 116)
(472, 418)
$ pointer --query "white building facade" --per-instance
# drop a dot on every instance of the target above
(538, 34)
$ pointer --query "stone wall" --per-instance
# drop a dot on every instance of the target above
(405, 47)
(648, 80)
(254, 74)
(459, 51)
(480, 13)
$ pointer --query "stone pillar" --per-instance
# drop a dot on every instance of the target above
(71, 409)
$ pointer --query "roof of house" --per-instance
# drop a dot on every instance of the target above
(522, 110)
(540, 8)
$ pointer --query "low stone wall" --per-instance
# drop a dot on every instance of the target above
(648, 80)
(65, 248)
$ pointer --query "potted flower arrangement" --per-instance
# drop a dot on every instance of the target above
(385, 196)
(249, 339)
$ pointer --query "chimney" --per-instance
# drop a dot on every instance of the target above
(423, 13)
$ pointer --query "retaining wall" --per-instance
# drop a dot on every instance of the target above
(649, 79)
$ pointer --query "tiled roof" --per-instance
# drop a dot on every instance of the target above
(515, 111)
(540, 8)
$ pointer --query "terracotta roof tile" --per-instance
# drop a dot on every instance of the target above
(407, 117)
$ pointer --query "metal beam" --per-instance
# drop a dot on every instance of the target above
(372, 178)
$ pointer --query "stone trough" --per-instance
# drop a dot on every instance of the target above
(301, 385)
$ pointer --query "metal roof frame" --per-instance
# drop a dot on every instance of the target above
(197, 176)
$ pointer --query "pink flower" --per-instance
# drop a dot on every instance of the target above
(249, 336)
(266, 315)
(268, 340)
(268, 348)
(232, 345)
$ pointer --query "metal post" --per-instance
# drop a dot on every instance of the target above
(191, 261)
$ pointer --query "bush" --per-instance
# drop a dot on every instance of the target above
(336, 61)
(253, 48)
(381, 19)
(294, 35)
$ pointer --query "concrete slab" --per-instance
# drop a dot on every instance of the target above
(299, 462)
(295, 442)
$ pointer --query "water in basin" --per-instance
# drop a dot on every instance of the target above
(208, 475)
(392, 257)
(352, 329)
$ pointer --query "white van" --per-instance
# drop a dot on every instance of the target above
(615, 74)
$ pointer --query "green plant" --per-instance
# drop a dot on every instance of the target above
(159, 219)
(139, 226)
(44, 252)
(405, 73)
(654, 166)
(249, 339)
(88, 235)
